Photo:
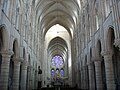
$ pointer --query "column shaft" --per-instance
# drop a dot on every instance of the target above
(91, 77)
(28, 78)
(98, 75)
(24, 76)
(109, 72)
(82, 78)
(33, 79)
(85, 77)
(5, 69)
(16, 75)
(36, 79)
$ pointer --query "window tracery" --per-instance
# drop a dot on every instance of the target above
(57, 61)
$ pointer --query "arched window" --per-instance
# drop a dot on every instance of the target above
(57, 71)
(97, 14)
(52, 74)
(62, 73)
(57, 61)
(6, 5)
(107, 7)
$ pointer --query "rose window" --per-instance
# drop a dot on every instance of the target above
(57, 61)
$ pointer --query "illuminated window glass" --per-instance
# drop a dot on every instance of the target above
(62, 73)
(57, 61)
(57, 71)
(52, 74)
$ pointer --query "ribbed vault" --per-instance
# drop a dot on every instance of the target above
(51, 12)
(65, 13)
(57, 46)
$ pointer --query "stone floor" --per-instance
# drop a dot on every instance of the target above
(53, 88)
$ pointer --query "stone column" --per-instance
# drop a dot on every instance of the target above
(86, 77)
(82, 78)
(16, 74)
(28, 80)
(33, 77)
(84, 81)
(6, 55)
(36, 79)
(98, 74)
(109, 70)
(91, 77)
(24, 75)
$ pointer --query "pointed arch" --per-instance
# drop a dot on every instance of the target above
(98, 49)
(15, 48)
(4, 37)
(109, 38)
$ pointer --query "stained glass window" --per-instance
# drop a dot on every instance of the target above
(57, 61)
(62, 73)
(52, 74)
(57, 71)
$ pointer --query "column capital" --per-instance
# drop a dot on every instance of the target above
(93, 59)
(30, 66)
(15, 59)
(97, 60)
(84, 66)
(6, 53)
(106, 53)
(117, 43)
(25, 62)
(90, 63)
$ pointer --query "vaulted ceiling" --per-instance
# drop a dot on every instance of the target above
(57, 46)
(63, 12)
